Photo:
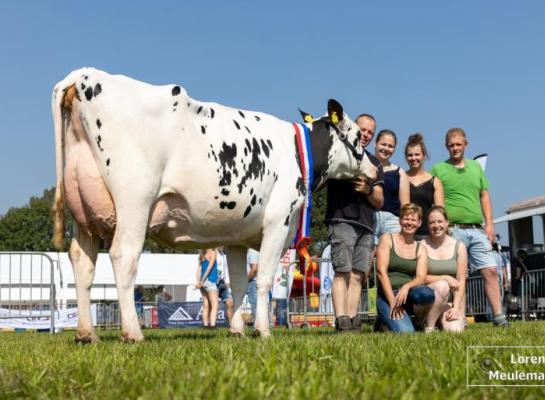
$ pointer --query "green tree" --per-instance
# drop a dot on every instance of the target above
(318, 228)
(30, 227)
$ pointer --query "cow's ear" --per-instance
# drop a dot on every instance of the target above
(335, 111)
(306, 116)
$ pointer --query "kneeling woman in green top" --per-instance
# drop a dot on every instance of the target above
(401, 271)
(447, 270)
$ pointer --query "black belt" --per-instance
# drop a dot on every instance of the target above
(466, 226)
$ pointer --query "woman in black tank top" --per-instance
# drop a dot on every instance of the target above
(425, 189)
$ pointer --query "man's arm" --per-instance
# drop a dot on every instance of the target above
(253, 272)
(486, 206)
(376, 196)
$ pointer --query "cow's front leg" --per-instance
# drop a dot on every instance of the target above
(239, 283)
(126, 247)
(83, 255)
(272, 248)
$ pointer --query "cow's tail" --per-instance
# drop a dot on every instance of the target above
(60, 121)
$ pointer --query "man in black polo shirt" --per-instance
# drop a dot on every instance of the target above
(349, 216)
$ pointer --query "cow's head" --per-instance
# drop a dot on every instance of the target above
(336, 147)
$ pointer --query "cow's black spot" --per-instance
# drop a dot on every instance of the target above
(225, 179)
(227, 157)
(257, 118)
(83, 86)
(176, 90)
(248, 129)
(203, 129)
(254, 199)
(251, 191)
(287, 221)
(188, 104)
(216, 197)
(89, 93)
(245, 151)
(99, 124)
(247, 211)
(229, 205)
(212, 113)
(265, 148)
(224, 192)
(300, 186)
(236, 124)
(175, 104)
(209, 157)
(269, 143)
(98, 90)
(98, 140)
(260, 201)
(256, 167)
(199, 109)
(85, 77)
(108, 162)
(297, 157)
(241, 114)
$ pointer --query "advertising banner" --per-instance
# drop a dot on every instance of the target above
(185, 314)
(40, 320)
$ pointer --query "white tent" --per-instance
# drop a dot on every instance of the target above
(177, 272)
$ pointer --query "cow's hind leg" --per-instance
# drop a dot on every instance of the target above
(238, 277)
(272, 248)
(83, 255)
(126, 248)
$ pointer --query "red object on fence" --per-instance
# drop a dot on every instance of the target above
(154, 318)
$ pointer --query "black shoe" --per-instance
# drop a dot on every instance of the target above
(356, 323)
(379, 326)
(502, 324)
(343, 323)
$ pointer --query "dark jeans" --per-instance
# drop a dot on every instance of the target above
(418, 296)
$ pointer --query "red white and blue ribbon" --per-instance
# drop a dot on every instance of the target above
(302, 134)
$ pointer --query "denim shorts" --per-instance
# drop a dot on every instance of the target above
(478, 247)
(385, 222)
(224, 292)
(351, 247)
(209, 286)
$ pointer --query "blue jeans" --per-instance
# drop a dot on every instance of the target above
(418, 296)
(251, 292)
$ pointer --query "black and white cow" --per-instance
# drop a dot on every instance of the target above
(133, 158)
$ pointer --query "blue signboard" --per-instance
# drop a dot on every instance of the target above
(186, 314)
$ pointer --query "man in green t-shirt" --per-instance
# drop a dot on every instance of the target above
(466, 201)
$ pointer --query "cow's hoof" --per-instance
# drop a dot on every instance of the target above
(263, 334)
(127, 338)
(86, 338)
(235, 334)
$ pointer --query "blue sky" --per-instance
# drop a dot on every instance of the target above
(420, 66)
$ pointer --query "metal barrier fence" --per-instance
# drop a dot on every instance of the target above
(476, 303)
(27, 292)
(27, 288)
(532, 299)
(318, 310)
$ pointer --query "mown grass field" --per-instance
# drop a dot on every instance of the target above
(294, 364)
